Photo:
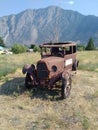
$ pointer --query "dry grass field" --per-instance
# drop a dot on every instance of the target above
(40, 109)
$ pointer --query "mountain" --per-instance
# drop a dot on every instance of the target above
(48, 24)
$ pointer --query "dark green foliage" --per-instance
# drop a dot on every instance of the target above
(32, 46)
(2, 42)
(18, 48)
(90, 45)
(36, 48)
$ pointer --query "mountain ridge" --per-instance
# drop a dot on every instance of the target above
(36, 26)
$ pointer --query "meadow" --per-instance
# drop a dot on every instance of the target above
(40, 109)
(10, 63)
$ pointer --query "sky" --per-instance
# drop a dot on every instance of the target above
(85, 7)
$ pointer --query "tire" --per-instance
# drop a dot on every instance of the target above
(66, 86)
(28, 81)
(75, 65)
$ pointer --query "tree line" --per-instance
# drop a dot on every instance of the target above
(90, 46)
(19, 48)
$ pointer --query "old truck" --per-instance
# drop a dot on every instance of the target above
(58, 62)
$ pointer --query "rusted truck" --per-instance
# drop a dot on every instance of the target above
(58, 62)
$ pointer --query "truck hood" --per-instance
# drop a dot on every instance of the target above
(54, 61)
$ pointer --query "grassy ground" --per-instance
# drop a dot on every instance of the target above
(88, 60)
(9, 63)
(40, 109)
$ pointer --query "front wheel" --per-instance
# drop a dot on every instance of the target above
(28, 81)
(66, 86)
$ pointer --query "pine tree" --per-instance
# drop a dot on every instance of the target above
(2, 42)
(90, 45)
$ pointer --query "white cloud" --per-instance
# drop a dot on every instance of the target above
(71, 2)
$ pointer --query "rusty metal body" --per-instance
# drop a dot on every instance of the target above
(57, 62)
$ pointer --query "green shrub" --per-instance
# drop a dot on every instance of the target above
(18, 48)
(36, 49)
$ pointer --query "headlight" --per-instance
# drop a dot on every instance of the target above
(54, 68)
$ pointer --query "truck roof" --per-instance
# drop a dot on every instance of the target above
(60, 44)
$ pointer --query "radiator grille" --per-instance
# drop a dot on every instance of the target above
(42, 71)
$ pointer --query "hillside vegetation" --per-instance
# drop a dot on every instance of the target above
(40, 109)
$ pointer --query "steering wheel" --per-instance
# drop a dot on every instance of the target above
(60, 54)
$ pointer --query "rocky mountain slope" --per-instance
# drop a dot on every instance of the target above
(48, 24)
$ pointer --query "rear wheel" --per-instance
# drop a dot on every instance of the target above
(66, 86)
(75, 65)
